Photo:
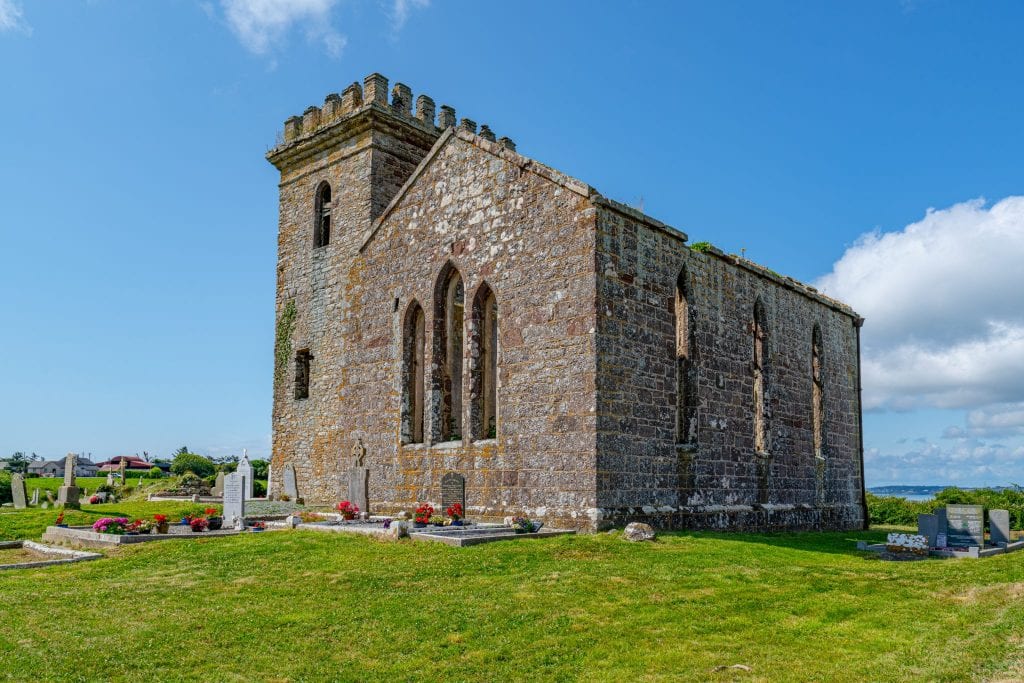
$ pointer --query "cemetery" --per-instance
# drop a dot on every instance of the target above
(953, 531)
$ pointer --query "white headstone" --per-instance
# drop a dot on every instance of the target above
(234, 501)
(245, 469)
(270, 480)
(35, 497)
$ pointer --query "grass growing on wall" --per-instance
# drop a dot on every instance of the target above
(302, 605)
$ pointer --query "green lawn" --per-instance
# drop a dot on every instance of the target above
(295, 606)
(45, 484)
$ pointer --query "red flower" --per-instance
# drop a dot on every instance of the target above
(211, 511)
(160, 519)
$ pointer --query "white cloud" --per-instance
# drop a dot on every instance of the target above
(262, 24)
(401, 9)
(12, 18)
(943, 307)
(965, 462)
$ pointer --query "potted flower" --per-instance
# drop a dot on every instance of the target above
(140, 526)
(258, 526)
(348, 510)
(437, 520)
(214, 519)
(455, 514)
(110, 525)
(423, 514)
(60, 520)
(94, 499)
(162, 525)
(198, 524)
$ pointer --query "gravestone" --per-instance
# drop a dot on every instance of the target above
(928, 526)
(68, 494)
(49, 497)
(18, 491)
(245, 469)
(234, 501)
(218, 486)
(291, 488)
(942, 528)
(999, 526)
(359, 478)
(110, 478)
(35, 497)
(966, 526)
(453, 490)
(270, 481)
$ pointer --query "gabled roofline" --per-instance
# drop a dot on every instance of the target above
(526, 164)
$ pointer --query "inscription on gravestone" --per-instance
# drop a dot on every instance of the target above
(18, 490)
(966, 526)
(453, 490)
(999, 526)
(234, 500)
(291, 488)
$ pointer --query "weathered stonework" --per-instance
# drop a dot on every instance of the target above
(586, 432)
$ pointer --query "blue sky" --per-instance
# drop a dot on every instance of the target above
(871, 148)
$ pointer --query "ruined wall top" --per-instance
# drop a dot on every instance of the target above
(373, 93)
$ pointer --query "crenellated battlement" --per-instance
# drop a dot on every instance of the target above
(373, 93)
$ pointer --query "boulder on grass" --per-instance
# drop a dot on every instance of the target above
(638, 531)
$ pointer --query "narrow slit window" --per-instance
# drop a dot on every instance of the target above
(302, 362)
(817, 395)
(322, 216)
(484, 359)
(686, 413)
(448, 339)
(412, 375)
(760, 370)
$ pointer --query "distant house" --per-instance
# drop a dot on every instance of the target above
(86, 468)
(133, 464)
(47, 468)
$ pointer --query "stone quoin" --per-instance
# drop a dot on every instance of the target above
(461, 308)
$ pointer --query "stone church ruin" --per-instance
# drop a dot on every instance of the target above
(461, 308)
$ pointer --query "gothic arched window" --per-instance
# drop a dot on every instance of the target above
(413, 343)
(449, 305)
(484, 365)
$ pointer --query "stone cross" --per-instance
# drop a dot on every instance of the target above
(18, 491)
(245, 469)
(999, 526)
(234, 501)
(359, 478)
(70, 461)
(358, 453)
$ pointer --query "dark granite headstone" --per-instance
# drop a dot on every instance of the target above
(999, 526)
(291, 487)
(966, 526)
(18, 493)
(928, 526)
(453, 490)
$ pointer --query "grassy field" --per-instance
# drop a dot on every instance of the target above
(293, 606)
(45, 484)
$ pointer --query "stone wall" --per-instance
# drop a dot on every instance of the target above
(719, 480)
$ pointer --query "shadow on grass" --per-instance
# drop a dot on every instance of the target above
(833, 542)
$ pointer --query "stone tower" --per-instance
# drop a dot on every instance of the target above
(340, 165)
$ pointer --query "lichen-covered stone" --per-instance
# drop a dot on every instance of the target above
(588, 389)
(638, 531)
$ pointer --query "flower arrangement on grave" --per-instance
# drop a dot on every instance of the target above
(914, 544)
(214, 519)
(140, 526)
(437, 520)
(348, 510)
(424, 512)
(94, 499)
(308, 517)
(522, 525)
(60, 519)
(198, 524)
(455, 514)
(162, 525)
(258, 526)
(110, 525)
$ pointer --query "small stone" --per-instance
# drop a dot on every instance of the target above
(638, 531)
(399, 528)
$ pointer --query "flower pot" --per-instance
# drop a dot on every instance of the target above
(419, 525)
(61, 526)
(163, 527)
(255, 529)
(456, 522)
(348, 516)
(184, 521)
(216, 523)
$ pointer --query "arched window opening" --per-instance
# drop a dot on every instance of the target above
(686, 404)
(413, 346)
(759, 328)
(449, 308)
(322, 216)
(818, 414)
(484, 365)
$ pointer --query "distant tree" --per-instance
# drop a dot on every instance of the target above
(260, 469)
(196, 464)
(181, 451)
(155, 473)
(18, 463)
